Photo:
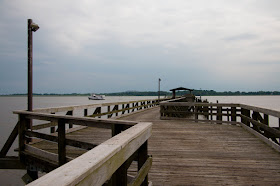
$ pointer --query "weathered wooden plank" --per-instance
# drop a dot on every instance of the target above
(262, 110)
(85, 121)
(110, 155)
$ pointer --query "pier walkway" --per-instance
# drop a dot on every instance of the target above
(191, 143)
(189, 153)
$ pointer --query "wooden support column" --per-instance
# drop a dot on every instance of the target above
(123, 107)
(108, 110)
(219, 114)
(23, 122)
(142, 158)
(266, 119)
(52, 129)
(61, 142)
(211, 113)
(85, 112)
(245, 112)
(233, 113)
(70, 113)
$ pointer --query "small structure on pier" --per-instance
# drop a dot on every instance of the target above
(189, 97)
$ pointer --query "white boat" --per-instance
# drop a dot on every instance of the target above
(96, 97)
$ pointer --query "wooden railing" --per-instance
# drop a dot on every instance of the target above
(265, 122)
(59, 120)
(103, 110)
(106, 163)
(92, 110)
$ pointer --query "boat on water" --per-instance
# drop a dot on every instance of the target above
(96, 97)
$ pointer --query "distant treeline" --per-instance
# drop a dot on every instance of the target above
(163, 93)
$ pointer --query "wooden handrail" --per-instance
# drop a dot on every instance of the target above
(231, 113)
(67, 108)
(84, 121)
(96, 166)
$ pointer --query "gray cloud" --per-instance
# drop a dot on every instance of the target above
(125, 45)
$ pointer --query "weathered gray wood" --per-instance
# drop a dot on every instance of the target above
(262, 110)
(84, 121)
(188, 153)
(262, 137)
(109, 156)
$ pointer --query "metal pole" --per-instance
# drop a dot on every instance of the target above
(30, 81)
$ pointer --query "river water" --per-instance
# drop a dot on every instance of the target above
(9, 104)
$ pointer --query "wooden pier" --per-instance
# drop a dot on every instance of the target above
(176, 143)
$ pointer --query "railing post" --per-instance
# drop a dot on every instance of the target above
(245, 112)
(85, 112)
(61, 142)
(142, 158)
(108, 110)
(52, 129)
(266, 119)
(211, 112)
(233, 113)
(219, 114)
(23, 122)
(70, 113)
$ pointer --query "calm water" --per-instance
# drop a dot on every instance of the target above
(8, 119)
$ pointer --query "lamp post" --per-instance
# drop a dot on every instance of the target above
(32, 27)
(159, 89)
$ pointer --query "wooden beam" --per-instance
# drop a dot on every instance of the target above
(9, 141)
(84, 121)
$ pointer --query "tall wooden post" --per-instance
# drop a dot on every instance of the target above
(31, 27)
(29, 66)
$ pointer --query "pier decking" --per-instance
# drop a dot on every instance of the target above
(189, 153)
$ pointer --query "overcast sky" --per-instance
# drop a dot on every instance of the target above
(119, 45)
